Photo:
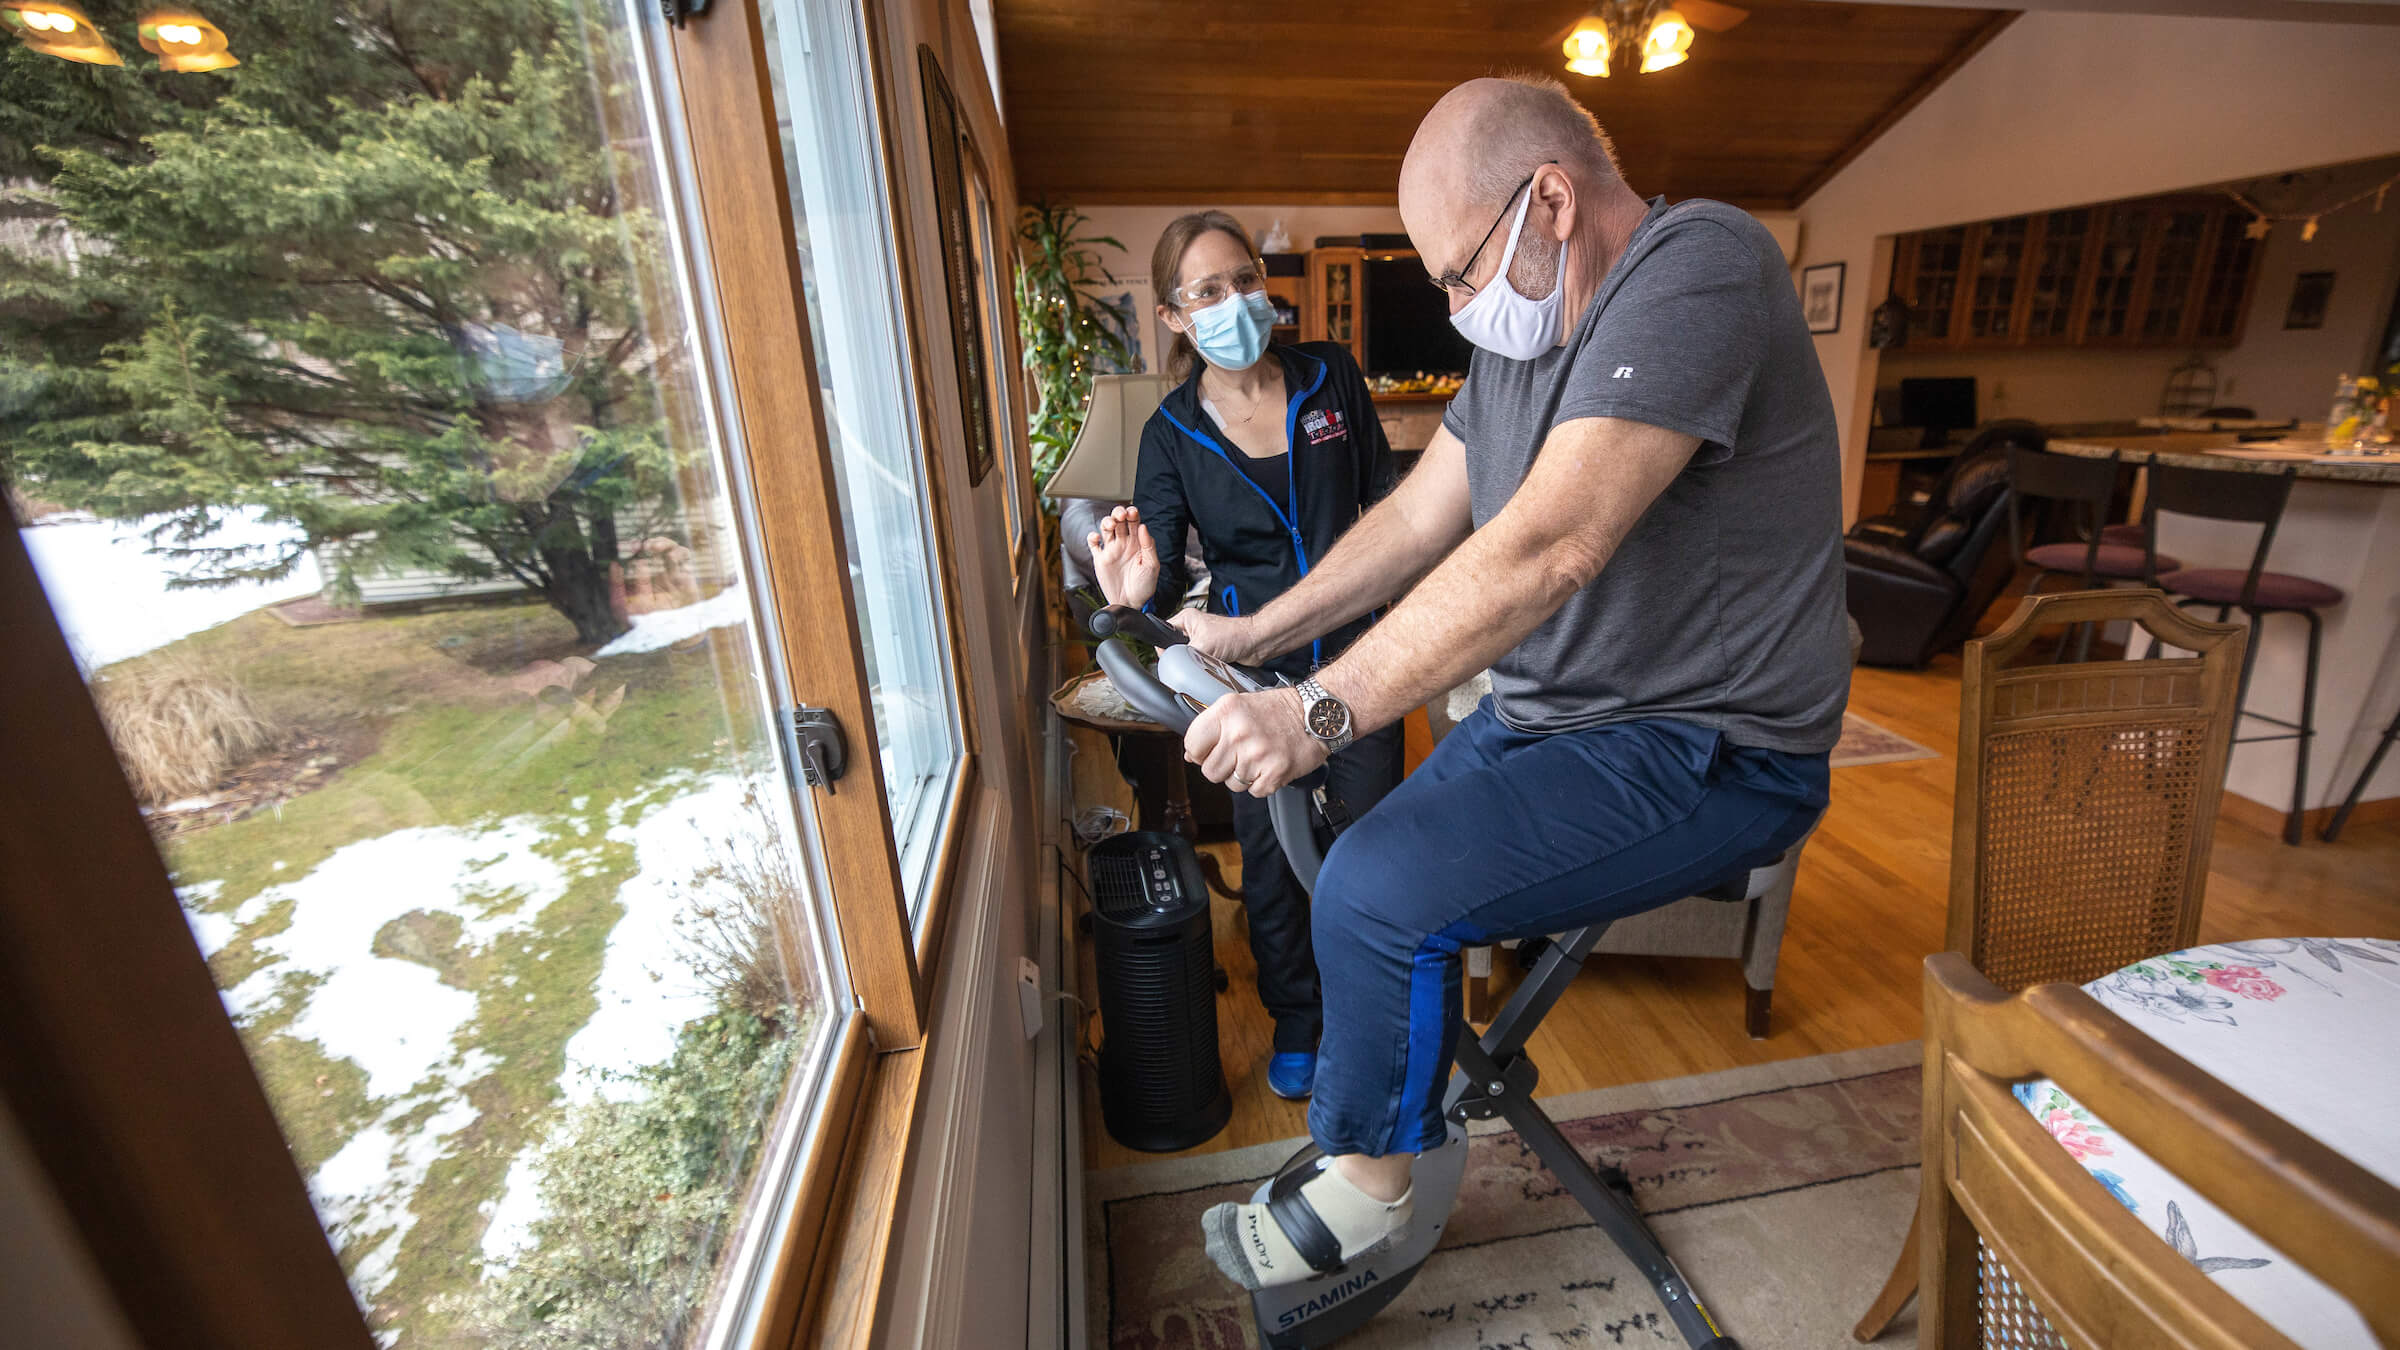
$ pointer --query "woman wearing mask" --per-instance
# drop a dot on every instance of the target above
(1270, 452)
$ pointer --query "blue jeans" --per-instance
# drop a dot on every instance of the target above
(1510, 834)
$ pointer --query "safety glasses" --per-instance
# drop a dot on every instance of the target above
(1202, 292)
(1456, 278)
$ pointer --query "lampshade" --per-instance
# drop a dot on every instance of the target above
(1668, 43)
(1586, 47)
(58, 30)
(1101, 463)
(183, 41)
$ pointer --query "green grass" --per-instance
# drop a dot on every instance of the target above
(448, 742)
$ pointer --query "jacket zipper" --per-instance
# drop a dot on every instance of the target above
(1291, 432)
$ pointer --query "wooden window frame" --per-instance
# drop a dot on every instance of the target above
(116, 1054)
(144, 1114)
(935, 920)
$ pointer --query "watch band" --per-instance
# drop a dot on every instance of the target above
(1318, 705)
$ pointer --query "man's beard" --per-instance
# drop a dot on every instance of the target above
(1534, 272)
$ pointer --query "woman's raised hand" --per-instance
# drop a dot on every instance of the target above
(1125, 558)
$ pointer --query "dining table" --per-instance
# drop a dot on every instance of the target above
(2341, 526)
(2303, 1026)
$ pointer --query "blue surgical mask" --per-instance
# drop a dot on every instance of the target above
(1232, 333)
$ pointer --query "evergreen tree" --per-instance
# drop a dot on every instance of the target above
(379, 281)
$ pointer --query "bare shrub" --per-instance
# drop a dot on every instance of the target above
(181, 727)
(745, 937)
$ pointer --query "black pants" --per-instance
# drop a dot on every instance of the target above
(1279, 922)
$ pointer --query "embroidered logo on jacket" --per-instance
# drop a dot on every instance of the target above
(1322, 425)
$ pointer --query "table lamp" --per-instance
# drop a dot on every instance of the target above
(1101, 462)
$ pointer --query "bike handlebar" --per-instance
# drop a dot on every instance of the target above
(1135, 624)
(1138, 683)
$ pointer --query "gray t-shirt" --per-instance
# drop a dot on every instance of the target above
(1723, 607)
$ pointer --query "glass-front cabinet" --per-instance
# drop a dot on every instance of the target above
(2174, 271)
(1336, 312)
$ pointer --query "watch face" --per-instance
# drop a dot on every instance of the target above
(1328, 719)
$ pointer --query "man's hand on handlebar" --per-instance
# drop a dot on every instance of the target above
(1124, 558)
(1253, 743)
(1227, 639)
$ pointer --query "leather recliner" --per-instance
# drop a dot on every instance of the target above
(1919, 579)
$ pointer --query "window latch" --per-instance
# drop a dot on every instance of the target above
(815, 742)
(676, 11)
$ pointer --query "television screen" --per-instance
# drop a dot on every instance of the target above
(1408, 322)
(1939, 405)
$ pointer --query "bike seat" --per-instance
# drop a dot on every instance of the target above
(1743, 885)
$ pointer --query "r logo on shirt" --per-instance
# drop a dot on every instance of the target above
(1322, 425)
(1623, 373)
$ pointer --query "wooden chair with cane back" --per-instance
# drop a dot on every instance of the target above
(2024, 1248)
(2087, 799)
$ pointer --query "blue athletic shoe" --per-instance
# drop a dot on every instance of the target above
(1290, 1075)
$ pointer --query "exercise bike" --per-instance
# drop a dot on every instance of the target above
(1493, 1078)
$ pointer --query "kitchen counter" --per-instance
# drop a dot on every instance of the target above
(2335, 529)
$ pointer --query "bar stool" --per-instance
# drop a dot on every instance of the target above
(2341, 814)
(2085, 487)
(2220, 494)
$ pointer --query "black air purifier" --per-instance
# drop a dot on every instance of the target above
(1161, 1085)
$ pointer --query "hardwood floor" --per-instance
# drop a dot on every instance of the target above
(1868, 909)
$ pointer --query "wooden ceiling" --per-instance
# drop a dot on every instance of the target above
(1313, 102)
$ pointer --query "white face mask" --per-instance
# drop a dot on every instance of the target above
(1504, 323)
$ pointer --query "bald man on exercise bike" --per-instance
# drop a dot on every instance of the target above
(1632, 517)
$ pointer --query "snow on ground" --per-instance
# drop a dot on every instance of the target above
(397, 1021)
(512, 1216)
(366, 1188)
(393, 1017)
(645, 990)
(666, 627)
(340, 906)
(211, 931)
(110, 592)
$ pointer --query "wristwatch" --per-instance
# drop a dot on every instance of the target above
(1327, 717)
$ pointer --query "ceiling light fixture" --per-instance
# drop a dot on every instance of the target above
(59, 30)
(1643, 35)
(184, 42)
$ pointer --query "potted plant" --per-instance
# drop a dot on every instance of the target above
(1069, 334)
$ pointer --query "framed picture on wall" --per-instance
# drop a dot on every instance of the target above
(2310, 293)
(1821, 296)
(1000, 357)
(951, 153)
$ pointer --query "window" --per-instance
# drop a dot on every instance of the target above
(834, 161)
(461, 749)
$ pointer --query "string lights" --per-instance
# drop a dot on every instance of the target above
(2262, 221)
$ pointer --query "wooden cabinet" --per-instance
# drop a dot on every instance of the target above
(1337, 299)
(1290, 291)
(2161, 272)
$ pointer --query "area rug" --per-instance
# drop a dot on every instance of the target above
(1782, 1190)
(1863, 742)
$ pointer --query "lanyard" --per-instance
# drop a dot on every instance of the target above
(1291, 438)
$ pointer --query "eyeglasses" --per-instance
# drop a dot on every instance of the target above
(1208, 290)
(1456, 278)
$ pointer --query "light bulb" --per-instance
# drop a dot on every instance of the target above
(1662, 60)
(1669, 34)
(1586, 48)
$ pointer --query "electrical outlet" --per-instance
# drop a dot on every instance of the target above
(1029, 995)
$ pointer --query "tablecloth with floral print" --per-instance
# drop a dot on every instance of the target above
(2308, 1028)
